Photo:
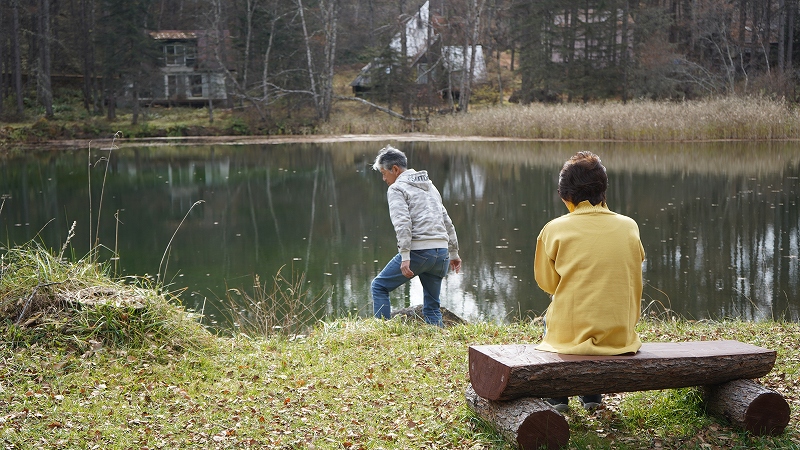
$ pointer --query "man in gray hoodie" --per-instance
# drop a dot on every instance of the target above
(426, 238)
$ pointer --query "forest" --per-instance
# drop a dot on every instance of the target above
(278, 58)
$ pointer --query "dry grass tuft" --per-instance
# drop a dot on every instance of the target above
(77, 304)
(286, 307)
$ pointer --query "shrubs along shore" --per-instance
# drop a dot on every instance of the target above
(727, 118)
(91, 361)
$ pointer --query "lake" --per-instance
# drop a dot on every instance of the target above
(719, 222)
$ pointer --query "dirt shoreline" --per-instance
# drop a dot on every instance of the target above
(264, 140)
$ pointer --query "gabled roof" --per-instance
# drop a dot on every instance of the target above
(163, 35)
(416, 31)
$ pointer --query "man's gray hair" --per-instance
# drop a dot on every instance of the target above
(388, 157)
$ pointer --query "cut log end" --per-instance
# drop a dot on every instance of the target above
(768, 414)
(531, 422)
(543, 429)
(749, 405)
(488, 376)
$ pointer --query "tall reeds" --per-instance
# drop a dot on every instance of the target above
(724, 118)
(286, 307)
(728, 118)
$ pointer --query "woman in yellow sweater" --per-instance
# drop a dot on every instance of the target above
(590, 262)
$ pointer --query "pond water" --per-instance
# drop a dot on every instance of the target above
(719, 222)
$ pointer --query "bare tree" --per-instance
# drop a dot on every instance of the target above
(322, 95)
(713, 27)
(265, 73)
(330, 22)
(15, 44)
(472, 34)
(250, 8)
(309, 59)
(43, 83)
(3, 29)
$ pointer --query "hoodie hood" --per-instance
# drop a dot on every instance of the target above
(420, 219)
(417, 179)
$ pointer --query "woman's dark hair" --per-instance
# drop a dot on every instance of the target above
(583, 177)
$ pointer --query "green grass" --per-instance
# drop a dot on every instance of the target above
(131, 369)
(347, 384)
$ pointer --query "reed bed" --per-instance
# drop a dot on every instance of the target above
(729, 118)
(371, 122)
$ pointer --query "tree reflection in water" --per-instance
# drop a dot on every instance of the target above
(719, 221)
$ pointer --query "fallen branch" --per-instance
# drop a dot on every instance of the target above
(380, 108)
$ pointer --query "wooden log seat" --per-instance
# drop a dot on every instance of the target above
(505, 372)
(501, 374)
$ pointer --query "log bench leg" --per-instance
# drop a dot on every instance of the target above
(748, 405)
(530, 422)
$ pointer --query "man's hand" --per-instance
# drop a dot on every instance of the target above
(455, 264)
(405, 267)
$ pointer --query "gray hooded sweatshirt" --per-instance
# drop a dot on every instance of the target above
(420, 219)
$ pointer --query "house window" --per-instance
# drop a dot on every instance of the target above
(196, 85)
(180, 55)
(174, 55)
(191, 55)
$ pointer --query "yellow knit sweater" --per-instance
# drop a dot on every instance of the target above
(590, 261)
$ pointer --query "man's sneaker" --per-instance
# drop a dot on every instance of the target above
(560, 404)
(591, 402)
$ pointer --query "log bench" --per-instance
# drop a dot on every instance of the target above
(508, 383)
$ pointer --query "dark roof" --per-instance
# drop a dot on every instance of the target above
(172, 34)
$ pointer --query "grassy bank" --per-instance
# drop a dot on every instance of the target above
(730, 118)
(105, 371)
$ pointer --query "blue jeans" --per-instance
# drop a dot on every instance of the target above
(430, 266)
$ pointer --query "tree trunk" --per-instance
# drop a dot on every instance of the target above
(624, 49)
(17, 57)
(111, 111)
(307, 41)
(265, 73)
(781, 36)
(85, 40)
(499, 79)
(748, 405)
(531, 423)
(250, 5)
(136, 106)
(504, 372)
(474, 13)
(43, 83)
(330, 12)
(790, 46)
(2, 60)
(405, 102)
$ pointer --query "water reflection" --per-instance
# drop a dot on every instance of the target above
(719, 222)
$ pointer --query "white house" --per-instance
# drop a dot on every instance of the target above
(426, 54)
(191, 70)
